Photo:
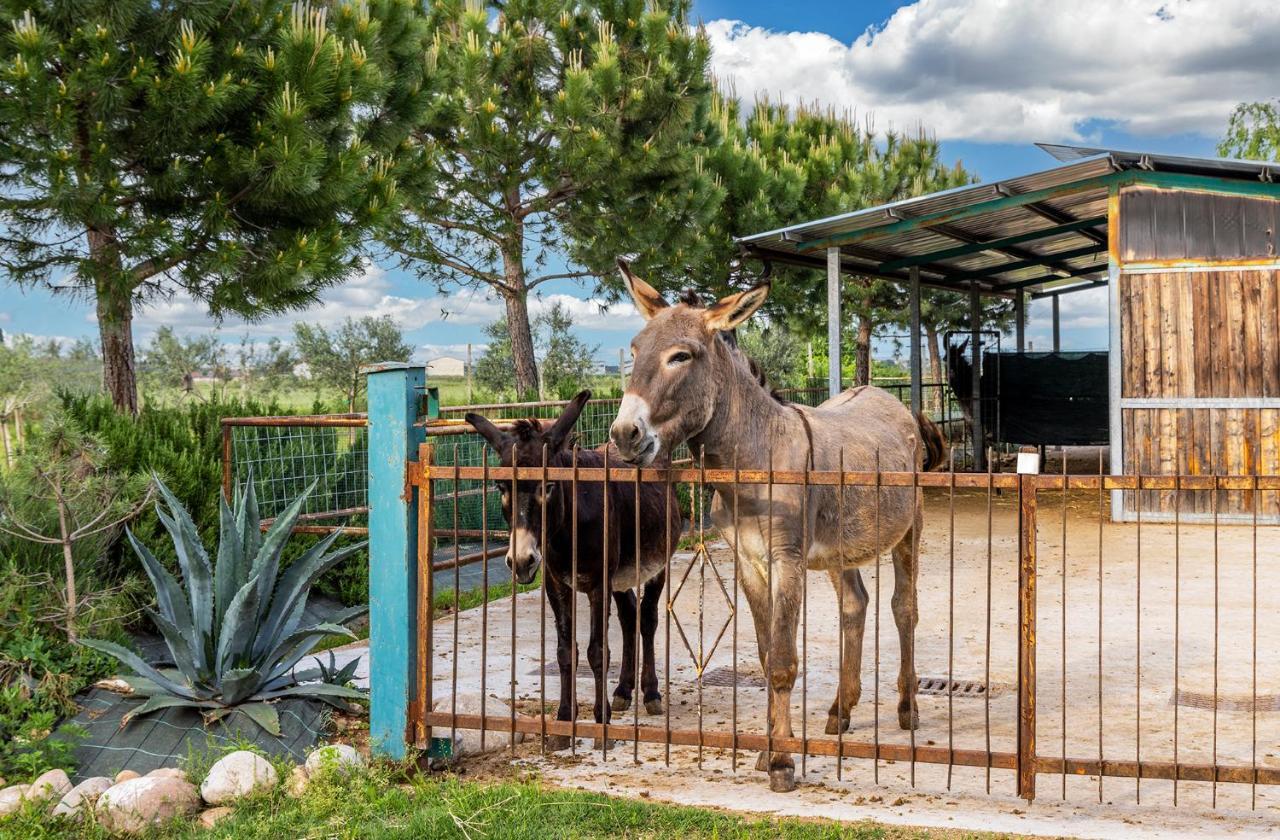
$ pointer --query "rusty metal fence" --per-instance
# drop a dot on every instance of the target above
(1054, 645)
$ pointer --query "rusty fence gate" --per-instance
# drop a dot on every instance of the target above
(1040, 654)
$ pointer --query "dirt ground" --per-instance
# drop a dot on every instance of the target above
(1091, 638)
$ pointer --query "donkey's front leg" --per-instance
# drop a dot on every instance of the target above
(596, 653)
(648, 627)
(562, 605)
(782, 607)
(626, 601)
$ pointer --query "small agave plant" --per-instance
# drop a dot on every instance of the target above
(232, 626)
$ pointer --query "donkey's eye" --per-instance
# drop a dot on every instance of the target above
(678, 358)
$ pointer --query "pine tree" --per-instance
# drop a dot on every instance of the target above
(566, 130)
(232, 150)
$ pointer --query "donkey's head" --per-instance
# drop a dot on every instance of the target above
(523, 446)
(679, 360)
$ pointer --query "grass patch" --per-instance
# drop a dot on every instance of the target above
(385, 803)
(442, 603)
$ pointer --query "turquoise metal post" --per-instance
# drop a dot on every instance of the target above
(394, 393)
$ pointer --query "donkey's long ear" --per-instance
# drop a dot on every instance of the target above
(648, 301)
(727, 313)
(497, 438)
(559, 431)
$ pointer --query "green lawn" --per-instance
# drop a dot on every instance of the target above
(383, 804)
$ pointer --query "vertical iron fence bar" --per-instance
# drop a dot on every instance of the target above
(1137, 645)
(914, 688)
(573, 606)
(840, 709)
(875, 730)
(1216, 486)
(1063, 613)
(542, 607)
(426, 648)
(703, 559)
(804, 626)
(767, 658)
(226, 462)
(457, 613)
(484, 591)
(951, 618)
(736, 477)
(636, 684)
(986, 698)
(601, 690)
(1102, 512)
(1177, 604)
(666, 647)
(1026, 755)
(511, 548)
(1253, 661)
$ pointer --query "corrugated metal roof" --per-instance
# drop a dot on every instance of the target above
(875, 239)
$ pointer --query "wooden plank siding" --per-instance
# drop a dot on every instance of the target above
(1201, 335)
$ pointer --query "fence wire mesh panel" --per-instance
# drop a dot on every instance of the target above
(1058, 653)
(285, 455)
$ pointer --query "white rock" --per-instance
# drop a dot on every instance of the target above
(467, 741)
(126, 775)
(81, 798)
(213, 816)
(51, 785)
(115, 684)
(296, 784)
(169, 773)
(11, 798)
(336, 756)
(132, 806)
(236, 775)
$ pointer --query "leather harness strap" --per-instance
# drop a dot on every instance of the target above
(808, 433)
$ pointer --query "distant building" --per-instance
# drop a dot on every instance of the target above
(446, 366)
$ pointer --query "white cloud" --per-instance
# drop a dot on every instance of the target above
(5, 317)
(994, 70)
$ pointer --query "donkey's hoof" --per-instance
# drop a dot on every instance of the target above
(909, 719)
(620, 703)
(762, 761)
(836, 725)
(782, 779)
(556, 743)
(653, 705)
(598, 744)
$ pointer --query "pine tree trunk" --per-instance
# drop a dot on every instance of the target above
(935, 366)
(115, 324)
(862, 352)
(522, 355)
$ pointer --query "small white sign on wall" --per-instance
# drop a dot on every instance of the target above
(1029, 463)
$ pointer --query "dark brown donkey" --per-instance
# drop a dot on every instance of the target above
(601, 567)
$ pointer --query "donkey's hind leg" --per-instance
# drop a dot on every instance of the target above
(851, 596)
(649, 627)
(905, 614)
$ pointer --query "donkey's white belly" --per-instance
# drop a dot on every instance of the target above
(625, 577)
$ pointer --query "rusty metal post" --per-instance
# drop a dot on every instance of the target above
(226, 462)
(1026, 744)
(426, 591)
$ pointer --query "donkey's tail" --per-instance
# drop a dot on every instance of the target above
(935, 445)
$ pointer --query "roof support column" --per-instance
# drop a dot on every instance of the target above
(917, 401)
(1057, 326)
(833, 320)
(1020, 320)
(975, 395)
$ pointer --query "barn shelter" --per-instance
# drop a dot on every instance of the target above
(1187, 248)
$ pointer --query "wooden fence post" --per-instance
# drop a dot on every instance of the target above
(394, 395)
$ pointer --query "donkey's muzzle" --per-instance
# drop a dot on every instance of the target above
(631, 434)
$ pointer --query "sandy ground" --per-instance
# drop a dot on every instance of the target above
(1129, 654)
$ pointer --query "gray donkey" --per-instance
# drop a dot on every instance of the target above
(691, 385)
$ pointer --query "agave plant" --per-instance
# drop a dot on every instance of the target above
(331, 673)
(232, 626)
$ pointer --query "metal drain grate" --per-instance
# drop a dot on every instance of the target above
(552, 669)
(723, 677)
(942, 686)
(1206, 700)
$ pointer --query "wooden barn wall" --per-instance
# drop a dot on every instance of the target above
(1203, 336)
(1162, 224)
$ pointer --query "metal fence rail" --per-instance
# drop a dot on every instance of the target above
(1041, 655)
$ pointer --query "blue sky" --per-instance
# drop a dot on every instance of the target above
(988, 77)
